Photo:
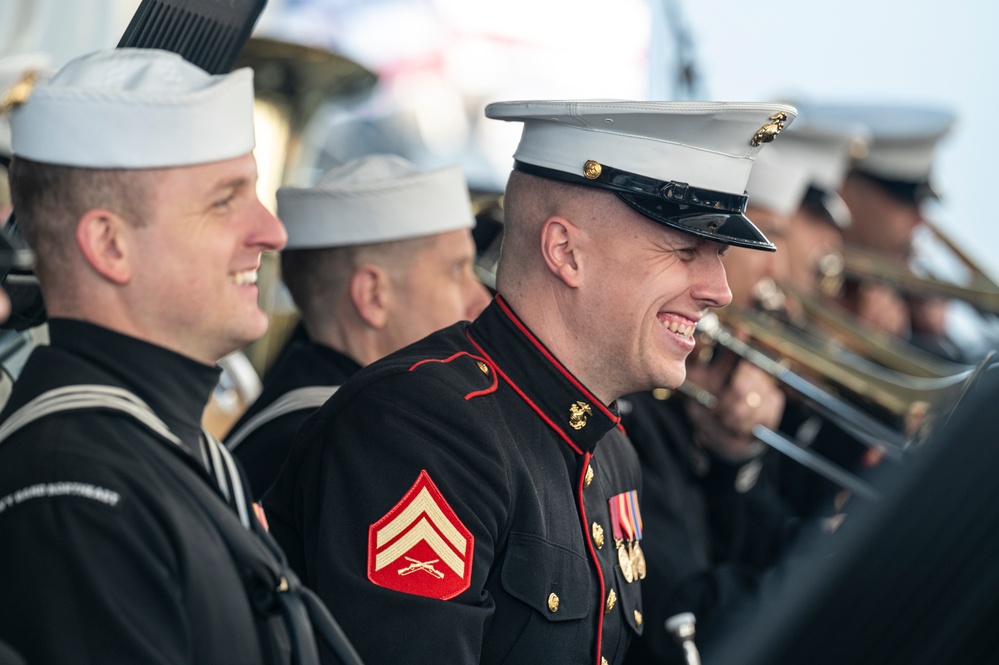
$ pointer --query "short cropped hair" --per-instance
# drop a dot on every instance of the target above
(317, 278)
(49, 199)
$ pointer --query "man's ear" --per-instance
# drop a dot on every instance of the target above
(102, 237)
(560, 249)
(371, 293)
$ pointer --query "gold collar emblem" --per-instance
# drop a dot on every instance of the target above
(578, 413)
(769, 131)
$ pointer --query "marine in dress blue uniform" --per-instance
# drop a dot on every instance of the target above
(472, 497)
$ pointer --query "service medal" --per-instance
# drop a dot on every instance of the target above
(639, 561)
(624, 560)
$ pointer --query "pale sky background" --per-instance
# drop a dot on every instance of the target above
(944, 54)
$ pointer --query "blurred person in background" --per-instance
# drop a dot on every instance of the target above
(379, 255)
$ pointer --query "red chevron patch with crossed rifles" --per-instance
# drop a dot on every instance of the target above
(420, 546)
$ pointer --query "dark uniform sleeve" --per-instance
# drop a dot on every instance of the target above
(100, 564)
(355, 466)
(89, 572)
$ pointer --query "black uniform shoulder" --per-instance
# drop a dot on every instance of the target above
(441, 369)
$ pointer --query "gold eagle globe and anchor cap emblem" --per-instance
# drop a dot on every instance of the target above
(578, 413)
(769, 131)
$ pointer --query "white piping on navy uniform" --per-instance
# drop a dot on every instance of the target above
(217, 469)
(68, 398)
(234, 480)
(310, 397)
(94, 396)
(203, 449)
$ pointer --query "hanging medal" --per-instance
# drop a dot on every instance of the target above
(626, 523)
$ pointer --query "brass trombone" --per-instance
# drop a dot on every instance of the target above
(981, 292)
(864, 264)
(848, 338)
(898, 395)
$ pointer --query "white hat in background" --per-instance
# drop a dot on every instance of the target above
(807, 166)
(17, 71)
(682, 164)
(901, 144)
(134, 108)
(372, 199)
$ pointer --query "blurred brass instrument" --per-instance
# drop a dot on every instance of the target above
(681, 627)
(896, 394)
(981, 291)
(847, 338)
(864, 264)
(777, 350)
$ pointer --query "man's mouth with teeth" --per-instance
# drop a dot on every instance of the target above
(244, 277)
(684, 330)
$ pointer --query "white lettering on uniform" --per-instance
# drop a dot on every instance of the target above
(39, 490)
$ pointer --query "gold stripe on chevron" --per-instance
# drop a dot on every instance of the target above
(423, 503)
(421, 531)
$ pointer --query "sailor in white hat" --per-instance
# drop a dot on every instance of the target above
(134, 182)
(379, 255)
(472, 493)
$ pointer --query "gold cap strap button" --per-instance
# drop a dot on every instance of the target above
(611, 601)
(592, 169)
(553, 603)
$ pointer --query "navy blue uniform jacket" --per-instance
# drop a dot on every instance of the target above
(440, 503)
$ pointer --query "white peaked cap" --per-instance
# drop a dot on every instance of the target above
(372, 199)
(902, 139)
(808, 156)
(134, 108)
(12, 69)
(682, 164)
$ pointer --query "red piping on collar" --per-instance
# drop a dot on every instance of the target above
(553, 360)
(486, 360)
(523, 396)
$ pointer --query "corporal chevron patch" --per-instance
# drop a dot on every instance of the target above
(420, 546)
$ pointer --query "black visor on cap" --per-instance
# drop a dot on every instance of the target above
(704, 213)
(904, 190)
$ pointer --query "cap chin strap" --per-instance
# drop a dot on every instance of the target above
(679, 194)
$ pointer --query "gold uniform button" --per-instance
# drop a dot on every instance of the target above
(483, 367)
(588, 478)
(603, 661)
(553, 603)
(638, 618)
(611, 601)
(598, 535)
